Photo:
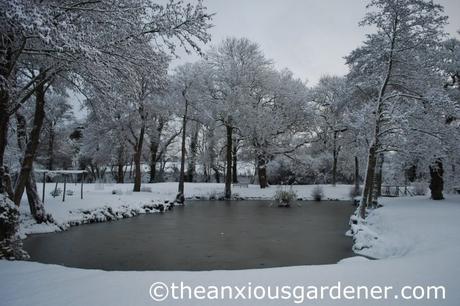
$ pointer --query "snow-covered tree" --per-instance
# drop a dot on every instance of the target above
(388, 65)
(78, 37)
(44, 42)
(274, 120)
(236, 67)
(186, 88)
(331, 97)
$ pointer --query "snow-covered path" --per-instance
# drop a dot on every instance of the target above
(38, 284)
(418, 241)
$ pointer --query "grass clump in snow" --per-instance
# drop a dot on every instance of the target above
(285, 197)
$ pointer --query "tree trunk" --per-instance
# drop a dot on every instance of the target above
(228, 174)
(334, 170)
(36, 206)
(4, 124)
(161, 173)
(262, 171)
(356, 176)
(191, 169)
(372, 180)
(32, 144)
(180, 189)
(335, 154)
(131, 169)
(379, 176)
(256, 172)
(153, 160)
(367, 191)
(121, 164)
(212, 154)
(234, 163)
(137, 160)
(437, 181)
(37, 209)
(6, 68)
(8, 185)
(120, 177)
(367, 198)
(120, 173)
(206, 176)
(154, 147)
(216, 174)
(51, 147)
(411, 173)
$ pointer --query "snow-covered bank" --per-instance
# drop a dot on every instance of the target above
(99, 204)
(409, 226)
(418, 241)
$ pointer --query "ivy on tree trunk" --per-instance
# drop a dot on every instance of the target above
(437, 181)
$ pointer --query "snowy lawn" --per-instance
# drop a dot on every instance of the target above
(418, 241)
(99, 204)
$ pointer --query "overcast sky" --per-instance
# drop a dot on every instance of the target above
(310, 37)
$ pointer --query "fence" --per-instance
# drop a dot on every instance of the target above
(396, 191)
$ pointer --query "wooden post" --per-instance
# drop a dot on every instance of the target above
(55, 189)
(65, 183)
(43, 190)
(82, 180)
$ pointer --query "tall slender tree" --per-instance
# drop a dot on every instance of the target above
(388, 63)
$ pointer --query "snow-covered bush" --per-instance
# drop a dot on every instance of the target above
(285, 197)
(317, 193)
(419, 188)
(146, 189)
(282, 171)
(9, 215)
(279, 172)
(10, 243)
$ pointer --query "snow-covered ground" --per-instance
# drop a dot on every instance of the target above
(411, 226)
(99, 204)
(417, 241)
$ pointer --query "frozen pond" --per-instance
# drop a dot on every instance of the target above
(205, 235)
